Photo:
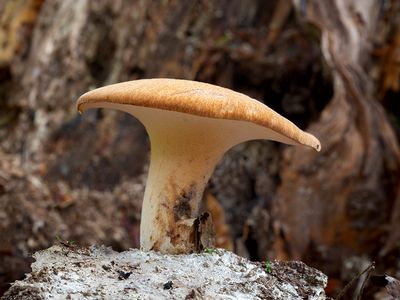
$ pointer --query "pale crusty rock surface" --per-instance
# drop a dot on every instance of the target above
(62, 272)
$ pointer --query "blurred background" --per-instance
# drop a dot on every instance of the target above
(332, 67)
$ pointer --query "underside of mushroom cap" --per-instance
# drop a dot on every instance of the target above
(199, 99)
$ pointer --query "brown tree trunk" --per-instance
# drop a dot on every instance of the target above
(340, 203)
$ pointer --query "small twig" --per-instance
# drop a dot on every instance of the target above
(68, 244)
(369, 271)
(355, 278)
(279, 18)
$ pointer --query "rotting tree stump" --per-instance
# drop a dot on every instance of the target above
(97, 272)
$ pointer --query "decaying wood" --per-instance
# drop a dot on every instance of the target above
(99, 272)
(350, 192)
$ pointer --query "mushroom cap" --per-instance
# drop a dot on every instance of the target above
(199, 99)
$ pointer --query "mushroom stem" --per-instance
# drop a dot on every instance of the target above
(183, 156)
(179, 171)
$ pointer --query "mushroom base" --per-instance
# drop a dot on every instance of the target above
(188, 236)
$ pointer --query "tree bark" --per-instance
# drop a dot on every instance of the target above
(340, 202)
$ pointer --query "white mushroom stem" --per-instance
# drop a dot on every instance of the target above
(182, 160)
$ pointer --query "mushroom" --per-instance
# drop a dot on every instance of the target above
(190, 126)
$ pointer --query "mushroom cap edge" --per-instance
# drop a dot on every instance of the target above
(197, 98)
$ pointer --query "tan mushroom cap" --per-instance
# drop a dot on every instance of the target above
(200, 99)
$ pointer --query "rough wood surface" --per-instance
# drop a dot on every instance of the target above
(100, 273)
(349, 192)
